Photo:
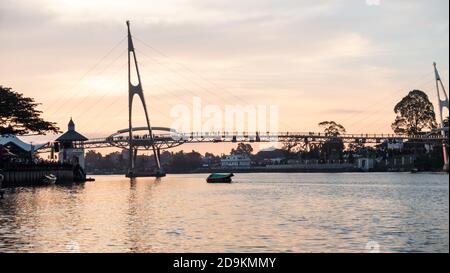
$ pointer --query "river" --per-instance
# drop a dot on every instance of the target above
(350, 212)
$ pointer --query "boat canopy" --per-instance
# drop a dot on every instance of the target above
(220, 175)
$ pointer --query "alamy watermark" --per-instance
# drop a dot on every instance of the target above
(73, 247)
(227, 121)
(373, 2)
(373, 247)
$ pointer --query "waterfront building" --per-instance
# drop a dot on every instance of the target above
(70, 146)
(395, 145)
(277, 161)
(391, 145)
(18, 147)
(366, 164)
(236, 161)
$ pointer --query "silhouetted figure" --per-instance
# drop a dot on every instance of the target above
(78, 173)
(1, 181)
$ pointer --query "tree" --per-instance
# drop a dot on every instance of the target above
(331, 128)
(313, 152)
(242, 149)
(332, 148)
(92, 156)
(19, 116)
(356, 147)
(290, 147)
(184, 162)
(210, 155)
(415, 113)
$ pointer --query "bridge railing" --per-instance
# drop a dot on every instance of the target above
(257, 136)
(302, 134)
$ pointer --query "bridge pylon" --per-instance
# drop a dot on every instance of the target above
(443, 103)
(132, 91)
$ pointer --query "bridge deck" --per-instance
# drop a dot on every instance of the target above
(176, 139)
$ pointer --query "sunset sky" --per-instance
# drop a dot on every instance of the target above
(348, 61)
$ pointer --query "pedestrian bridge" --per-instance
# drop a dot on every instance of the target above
(166, 138)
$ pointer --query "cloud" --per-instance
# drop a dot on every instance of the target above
(307, 56)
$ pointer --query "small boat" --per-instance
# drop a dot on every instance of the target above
(49, 179)
(415, 170)
(220, 178)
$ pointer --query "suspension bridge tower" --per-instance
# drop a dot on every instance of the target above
(443, 104)
(132, 91)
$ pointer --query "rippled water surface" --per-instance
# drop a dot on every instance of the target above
(257, 213)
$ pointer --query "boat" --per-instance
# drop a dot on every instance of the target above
(49, 179)
(220, 178)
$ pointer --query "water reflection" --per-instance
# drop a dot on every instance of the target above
(258, 213)
(137, 225)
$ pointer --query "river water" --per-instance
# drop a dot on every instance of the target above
(258, 213)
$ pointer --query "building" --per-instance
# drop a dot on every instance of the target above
(18, 147)
(234, 161)
(392, 145)
(277, 161)
(395, 145)
(70, 146)
(366, 164)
